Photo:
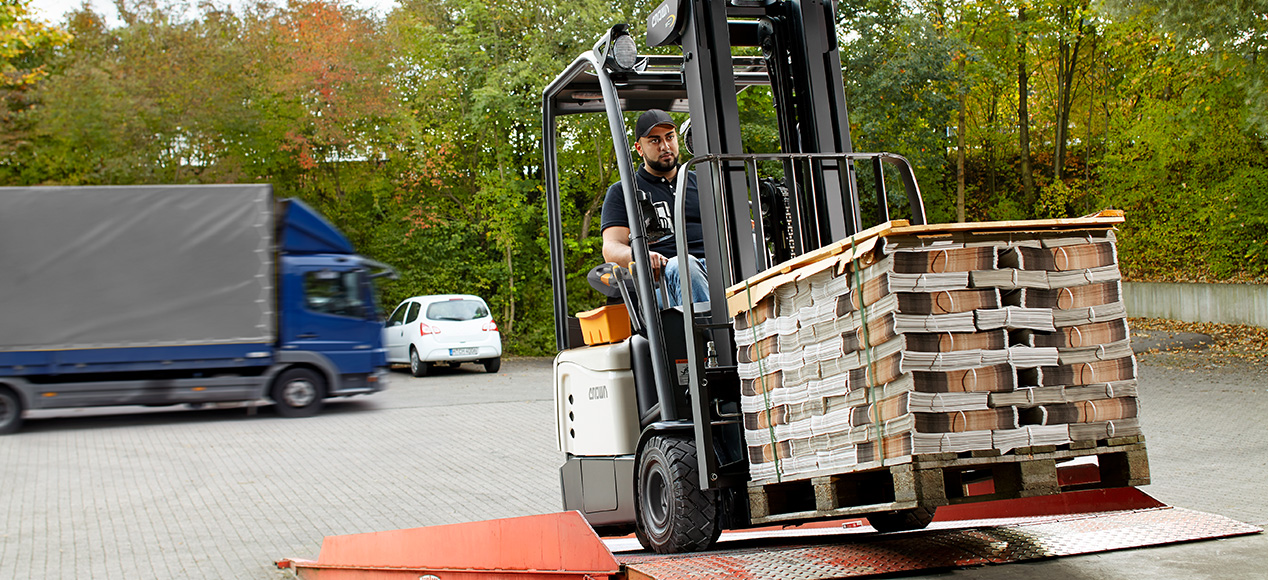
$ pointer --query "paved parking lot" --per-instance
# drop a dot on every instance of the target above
(221, 494)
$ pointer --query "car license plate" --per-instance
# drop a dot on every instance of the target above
(462, 351)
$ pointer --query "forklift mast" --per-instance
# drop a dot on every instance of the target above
(798, 43)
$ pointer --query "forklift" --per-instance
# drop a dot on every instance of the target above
(648, 406)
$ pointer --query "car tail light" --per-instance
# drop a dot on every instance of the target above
(426, 329)
(490, 326)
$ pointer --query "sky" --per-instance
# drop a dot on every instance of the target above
(54, 10)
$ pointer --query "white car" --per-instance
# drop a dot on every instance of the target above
(449, 328)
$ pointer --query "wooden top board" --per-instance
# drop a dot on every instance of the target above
(743, 295)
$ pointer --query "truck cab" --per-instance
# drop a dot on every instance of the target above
(327, 311)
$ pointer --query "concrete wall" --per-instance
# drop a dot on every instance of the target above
(1226, 303)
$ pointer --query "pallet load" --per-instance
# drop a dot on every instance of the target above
(918, 342)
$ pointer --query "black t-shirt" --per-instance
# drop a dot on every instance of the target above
(659, 189)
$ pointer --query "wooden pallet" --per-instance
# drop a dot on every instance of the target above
(938, 479)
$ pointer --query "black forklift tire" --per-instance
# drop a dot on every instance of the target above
(10, 411)
(902, 521)
(417, 366)
(298, 392)
(491, 365)
(673, 514)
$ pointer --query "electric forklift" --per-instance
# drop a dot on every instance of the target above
(647, 398)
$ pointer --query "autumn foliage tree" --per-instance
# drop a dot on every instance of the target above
(418, 132)
(26, 46)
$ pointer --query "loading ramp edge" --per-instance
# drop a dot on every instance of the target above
(566, 548)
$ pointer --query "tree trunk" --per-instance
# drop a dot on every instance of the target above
(959, 145)
(1067, 58)
(508, 312)
(990, 147)
(596, 202)
(1023, 113)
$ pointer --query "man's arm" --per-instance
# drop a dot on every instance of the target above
(616, 248)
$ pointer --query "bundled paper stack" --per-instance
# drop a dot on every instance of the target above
(926, 340)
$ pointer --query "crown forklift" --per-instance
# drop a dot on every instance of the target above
(650, 419)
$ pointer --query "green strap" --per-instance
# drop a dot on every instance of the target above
(761, 377)
(867, 351)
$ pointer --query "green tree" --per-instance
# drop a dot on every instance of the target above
(900, 86)
(26, 46)
(1234, 34)
(473, 73)
(418, 134)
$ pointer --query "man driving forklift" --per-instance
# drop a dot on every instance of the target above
(656, 180)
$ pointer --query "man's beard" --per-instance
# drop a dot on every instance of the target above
(662, 166)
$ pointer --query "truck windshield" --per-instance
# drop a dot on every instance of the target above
(337, 293)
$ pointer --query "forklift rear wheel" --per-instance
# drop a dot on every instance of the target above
(674, 514)
(901, 521)
(417, 366)
(10, 411)
(298, 393)
(491, 365)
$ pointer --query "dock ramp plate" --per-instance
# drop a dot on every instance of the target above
(860, 552)
(562, 547)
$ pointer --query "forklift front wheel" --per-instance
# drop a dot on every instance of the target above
(298, 393)
(901, 521)
(674, 514)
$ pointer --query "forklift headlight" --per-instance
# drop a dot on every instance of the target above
(618, 52)
(624, 52)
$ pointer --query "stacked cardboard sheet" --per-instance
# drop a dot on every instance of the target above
(923, 339)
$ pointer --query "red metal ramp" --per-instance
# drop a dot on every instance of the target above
(558, 546)
(561, 546)
(948, 545)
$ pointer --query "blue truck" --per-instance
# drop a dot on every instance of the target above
(191, 294)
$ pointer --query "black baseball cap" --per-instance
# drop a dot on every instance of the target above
(651, 118)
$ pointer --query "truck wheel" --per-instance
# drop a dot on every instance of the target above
(673, 513)
(10, 411)
(491, 365)
(298, 393)
(901, 521)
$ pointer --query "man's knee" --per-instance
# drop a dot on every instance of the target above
(673, 281)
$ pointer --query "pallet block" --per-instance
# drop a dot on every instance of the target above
(938, 479)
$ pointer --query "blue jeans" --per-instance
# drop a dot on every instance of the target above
(673, 282)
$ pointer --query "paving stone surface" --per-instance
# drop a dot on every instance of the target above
(221, 494)
(157, 493)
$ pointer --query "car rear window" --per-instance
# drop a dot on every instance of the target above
(458, 310)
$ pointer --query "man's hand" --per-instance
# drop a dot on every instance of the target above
(616, 249)
(657, 263)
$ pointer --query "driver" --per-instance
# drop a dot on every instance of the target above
(657, 145)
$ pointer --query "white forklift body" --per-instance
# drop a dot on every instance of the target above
(595, 401)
